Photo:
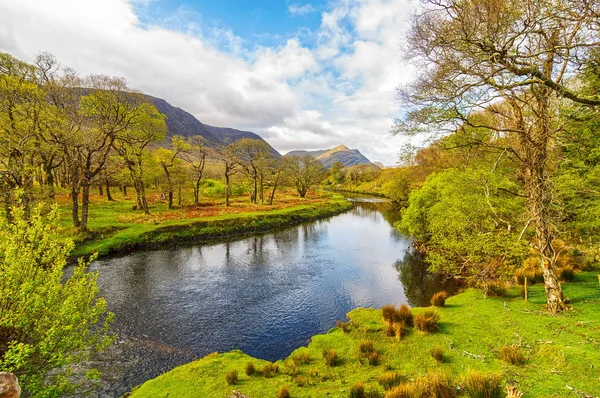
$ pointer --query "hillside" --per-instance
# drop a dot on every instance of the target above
(180, 122)
(341, 153)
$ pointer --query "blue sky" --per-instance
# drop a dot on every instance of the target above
(302, 74)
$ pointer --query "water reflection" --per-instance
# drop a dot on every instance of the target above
(265, 295)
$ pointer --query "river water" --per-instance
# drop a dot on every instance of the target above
(265, 295)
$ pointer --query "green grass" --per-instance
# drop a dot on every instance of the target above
(560, 350)
(112, 233)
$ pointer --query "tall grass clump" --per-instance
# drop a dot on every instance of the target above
(494, 289)
(283, 392)
(366, 347)
(389, 380)
(439, 299)
(389, 313)
(482, 385)
(437, 353)
(410, 390)
(250, 369)
(330, 356)
(405, 315)
(357, 390)
(566, 274)
(345, 326)
(269, 369)
(231, 377)
(512, 354)
(427, 321)
(436, 384)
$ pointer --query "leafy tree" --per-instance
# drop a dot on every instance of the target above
(254, 157)
(517, 62)
(169, 160)
(228, 156)
(195, 156)
(304, 172)
(48, 322)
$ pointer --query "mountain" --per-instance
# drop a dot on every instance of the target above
(341, 153)
(180, 122)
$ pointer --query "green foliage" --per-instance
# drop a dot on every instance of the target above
(467, 222)
(48, 323)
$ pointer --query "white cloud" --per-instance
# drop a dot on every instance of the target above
(297, 97)
(301, 9)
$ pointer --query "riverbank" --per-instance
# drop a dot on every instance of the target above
(560, 353)
(117, 230)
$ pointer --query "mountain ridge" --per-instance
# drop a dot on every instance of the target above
(340, 153)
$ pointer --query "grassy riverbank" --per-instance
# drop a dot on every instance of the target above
(116, 228)
(562, 353)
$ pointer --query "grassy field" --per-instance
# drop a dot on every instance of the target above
(116, 228)
(561, 353)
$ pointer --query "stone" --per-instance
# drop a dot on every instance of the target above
(9, 386)
(237, 394)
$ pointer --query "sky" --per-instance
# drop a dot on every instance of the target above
(301, 74)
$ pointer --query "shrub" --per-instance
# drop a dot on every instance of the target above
(300, 381)
(566, 274)
(357, 390)
(437, 353)
(374, 358)
(405, 315)
(389, 380)
(345, 326)
(267, 370)
(372, 392)
(436, 384)
(366, 347)
(427, 321)
(482, 385)
(250, 370)
(404, 391)
(389, 313)
(284, 392)
(494, 289)
(301, 357)
(275, 368)
(231, 377)
(439, 299)
(330, 355)
(512, 354)
(399, 331)
(533, 276)
(390, 330)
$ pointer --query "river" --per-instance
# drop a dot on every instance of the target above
(265, 295)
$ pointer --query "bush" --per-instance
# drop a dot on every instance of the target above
(389, 313)
(436, 384)
(366, 347)
(345, 326)
(405, 315)
(301, 357)
(357, 390)
(372, 393)
(390, 330)
(494, 289)
(482, 385)
(250, 370)
(231, 377)
(61, 321)
(437, 353)
(404, 391)
(427, 321)
(284, 392)
(533, 276)
(512, 354)
(389, 380)
(268, 370)
(566, 274)
(300, 381)
(439, 299)
(330, 355)
(374, 358)
(399, 330)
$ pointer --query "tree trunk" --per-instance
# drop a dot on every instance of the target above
(226, 189)
(108, 195)
(170, 198)
(85, 204)
(197, 192)
(179, 197)
(124, 190)
(7, 204)
(75, 206)
(143, 199)
(100, 190)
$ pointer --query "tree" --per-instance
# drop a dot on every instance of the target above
(195, 156)
(48, 322)
(304, 172)
(132, 144)
(254, 157)
(227, 154)
(516, 61)
(168, 159)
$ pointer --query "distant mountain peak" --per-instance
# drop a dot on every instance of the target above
(341, 153)
(340, 148)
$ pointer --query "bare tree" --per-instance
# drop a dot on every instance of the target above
(304, 172)
(517, 61)
(195, 156)
(227, 155)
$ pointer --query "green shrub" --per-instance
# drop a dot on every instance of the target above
(345, 326)
(301, 357)
(566, 274)
(366, 347)
(267, 370)
(482, 385)
(284, 392)
(300, 381)
(437, 353)
(250, 370)
(330, 355)
(389, 380)
(372, 392)
(427, 321)
(374, 358)
(512, 354)
(231, 377)
(357, 390)
(439, 299)
(494, 289)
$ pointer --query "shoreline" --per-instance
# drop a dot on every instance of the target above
(212, 229)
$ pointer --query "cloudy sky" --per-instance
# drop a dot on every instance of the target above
(303, 75)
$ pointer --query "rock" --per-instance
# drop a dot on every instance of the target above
(237, 394)
(9, 386)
